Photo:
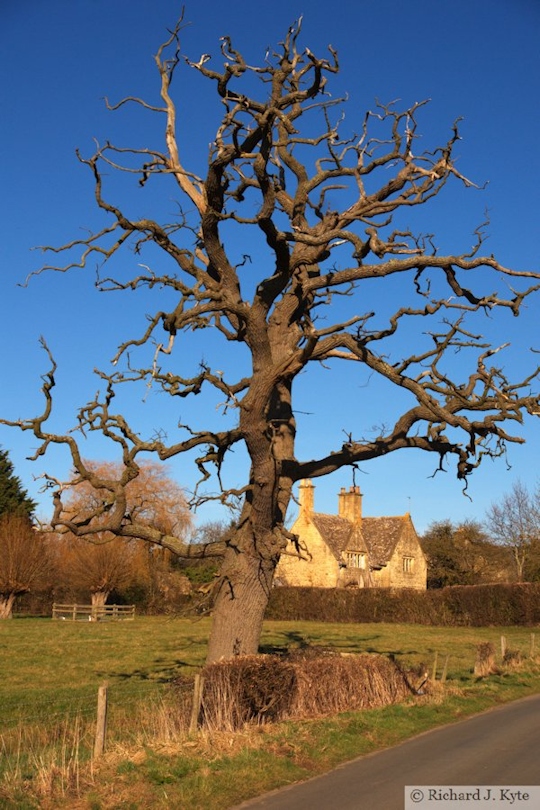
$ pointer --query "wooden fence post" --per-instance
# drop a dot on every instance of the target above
(434, 671)
(503, 647)
(533, 639)
(445, 670)
(101, 721)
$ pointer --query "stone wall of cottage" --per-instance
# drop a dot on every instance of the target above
(321, 571)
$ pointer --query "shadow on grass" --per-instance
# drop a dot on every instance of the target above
(391, 653)
(293, 640)
(155, 673)
(18, 616)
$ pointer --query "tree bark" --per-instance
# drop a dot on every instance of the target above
(99, 598)
(254, 549)
(240, 606)
(6, 605)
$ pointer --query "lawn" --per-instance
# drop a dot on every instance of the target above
(50, 673)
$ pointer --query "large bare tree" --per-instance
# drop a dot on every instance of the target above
(280, 247)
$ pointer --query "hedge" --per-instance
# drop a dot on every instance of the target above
(458, 605)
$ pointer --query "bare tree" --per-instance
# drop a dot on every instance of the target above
(153, 498)
(101, 562)
(514, 522)
(331, 210)
(98, 567)
(25, 561)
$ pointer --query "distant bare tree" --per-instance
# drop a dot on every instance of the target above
(278, 248)
(101, 562)
(97, 567)
(153, 499)
(24, 560)
(514, 522)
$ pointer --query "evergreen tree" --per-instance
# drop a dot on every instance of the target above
(13, 498)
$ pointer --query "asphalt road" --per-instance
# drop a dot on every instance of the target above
(498, 747)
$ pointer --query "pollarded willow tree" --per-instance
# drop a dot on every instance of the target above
(328, 210)
(25, 560)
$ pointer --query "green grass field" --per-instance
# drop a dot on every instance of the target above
(51, 667)
(47, 667)
(50, 673)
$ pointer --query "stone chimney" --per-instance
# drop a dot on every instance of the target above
(306, 497)
(350, 504)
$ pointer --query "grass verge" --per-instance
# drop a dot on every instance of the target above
(219, 771)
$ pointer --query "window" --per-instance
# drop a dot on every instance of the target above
(408, 565)
(355, 559)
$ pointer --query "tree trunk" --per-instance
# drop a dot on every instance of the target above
(519, 557)
(248, 567)
(6, 605)
(99, 598)
(253, 552)
(240, 605)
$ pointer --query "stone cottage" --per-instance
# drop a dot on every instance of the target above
(349, 550)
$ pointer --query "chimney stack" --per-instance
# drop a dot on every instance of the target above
(306, 497)
(350, 504)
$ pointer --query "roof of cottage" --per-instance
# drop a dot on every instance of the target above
(382, 535)
(377, 535)
(334, 530)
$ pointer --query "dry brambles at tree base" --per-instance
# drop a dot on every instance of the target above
(303, 684)
(331, 210)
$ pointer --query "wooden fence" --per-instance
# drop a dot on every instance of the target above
(93, 613)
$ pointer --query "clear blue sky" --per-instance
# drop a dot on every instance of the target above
(58, 58)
